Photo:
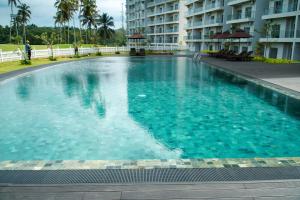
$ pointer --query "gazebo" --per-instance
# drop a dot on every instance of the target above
(240, 34)
(137, 38)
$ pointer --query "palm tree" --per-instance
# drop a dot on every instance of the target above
(89, 15)
(67, 9)
(24, 16)
(12, 3)
(105, 26)
(58, 20)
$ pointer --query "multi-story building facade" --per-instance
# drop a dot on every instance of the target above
(162, 21)
(273, 23)
(282, 29)
(136, 16)
(204, 18)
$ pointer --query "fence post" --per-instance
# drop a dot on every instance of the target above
(1, 56)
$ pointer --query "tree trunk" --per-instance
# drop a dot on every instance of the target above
(74, 31)
(24, 33)
(11, 13)
(68, 32)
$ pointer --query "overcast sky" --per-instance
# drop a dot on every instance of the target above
(43, 11)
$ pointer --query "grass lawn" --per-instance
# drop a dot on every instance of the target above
(16, 65)
(13, 47)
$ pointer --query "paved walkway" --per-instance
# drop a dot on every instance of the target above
(284, 75)
(275, 190)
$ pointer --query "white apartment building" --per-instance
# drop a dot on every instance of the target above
(204, 19)
(136, 16)
(282, 35)
(162, 21)
(273, 23)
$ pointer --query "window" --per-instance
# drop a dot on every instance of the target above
(247, 29)
(278, 6)
(275, 33)
(248, 12)
(273, 53)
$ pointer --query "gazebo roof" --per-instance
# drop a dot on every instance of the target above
(216, 36)
(136, 36)
(224, 35)
(240, 34)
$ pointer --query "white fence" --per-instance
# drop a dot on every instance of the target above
(45, 53)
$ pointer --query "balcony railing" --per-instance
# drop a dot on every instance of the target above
(240, 16)
(193, 37)
(215, 21)
(281, 34)
(214, 5)
(174, 30)
(281, 9)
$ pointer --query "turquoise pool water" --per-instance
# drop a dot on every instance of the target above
(142, 108)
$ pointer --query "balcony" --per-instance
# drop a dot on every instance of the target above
(214, 6)
(281, 36)
(192, 37)
(173, 30)
(239, 17)
(235, 2)
(189, 2)
(194, 25)
(214, 22)
(282, 11)
(172, 20)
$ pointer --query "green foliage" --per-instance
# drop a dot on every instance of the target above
(273, 60)
(117, 52)
(16, 40)
(259, 49)
(25, 62)
(52, 58)
(98, 54)
(208, 51)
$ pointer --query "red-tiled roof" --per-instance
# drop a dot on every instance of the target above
(136, 36)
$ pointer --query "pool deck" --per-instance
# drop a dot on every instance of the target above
(284, 75)
(262, 190)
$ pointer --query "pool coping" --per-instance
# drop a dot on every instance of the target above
(38, 165)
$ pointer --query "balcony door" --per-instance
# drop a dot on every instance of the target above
(278, 6)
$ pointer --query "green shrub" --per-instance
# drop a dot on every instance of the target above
(98, 54)
(117, 52)
(259, 58)
(25, 62)
(273, 60)
(278, 61)
(52, 58)
(208, 51)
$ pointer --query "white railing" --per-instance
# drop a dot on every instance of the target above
(45, 53)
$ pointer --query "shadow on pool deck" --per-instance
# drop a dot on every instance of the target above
(285, 75)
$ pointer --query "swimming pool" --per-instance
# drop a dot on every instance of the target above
(120, 108)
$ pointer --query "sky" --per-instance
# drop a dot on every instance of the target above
(43, 11)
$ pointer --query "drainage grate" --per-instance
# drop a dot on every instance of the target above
(147, 175)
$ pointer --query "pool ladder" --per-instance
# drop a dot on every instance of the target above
(197, 57)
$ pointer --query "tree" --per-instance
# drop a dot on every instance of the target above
(89, 16)
(266, 31)
(67, 9)
(105, 27)
(24, 14)
(12, 4)
(49, 41)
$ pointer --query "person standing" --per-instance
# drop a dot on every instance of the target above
(28, 50)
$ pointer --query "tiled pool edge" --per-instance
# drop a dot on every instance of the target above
(149, 164)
